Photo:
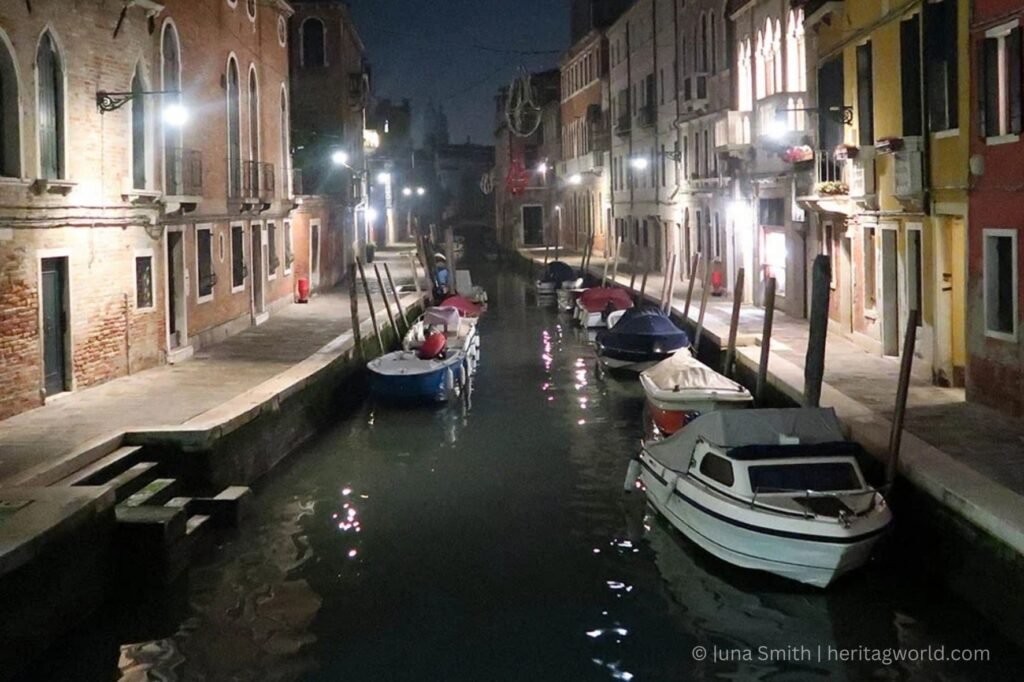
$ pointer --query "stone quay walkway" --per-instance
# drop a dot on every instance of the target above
(967, 456)
(214, 385)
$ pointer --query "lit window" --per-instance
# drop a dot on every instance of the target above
(1000, 101)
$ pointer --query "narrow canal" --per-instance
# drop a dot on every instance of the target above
(493, 542)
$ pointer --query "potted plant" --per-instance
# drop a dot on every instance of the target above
(831, 188)
(889, 145)
(798, 154)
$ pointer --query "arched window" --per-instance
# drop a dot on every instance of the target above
(703, 43)
(50, 72)
(769, 59)
(234, 132)
(170, 76)
(10, 119)
(713, 46)
(796, 60)
(759, 67)
(139, 175)
(254, 116)
(314, 52)
(777, 56)
(286, 156)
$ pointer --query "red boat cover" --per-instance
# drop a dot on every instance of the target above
(463, 305)
(433, 346)
(597, 299)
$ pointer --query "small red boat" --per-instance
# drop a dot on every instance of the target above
(593, 304)
(465, 306)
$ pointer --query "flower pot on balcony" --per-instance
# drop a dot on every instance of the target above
(845, 151)
(798, 154)
(831, 188)
(889, 145)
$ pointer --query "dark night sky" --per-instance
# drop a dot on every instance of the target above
(419, 49)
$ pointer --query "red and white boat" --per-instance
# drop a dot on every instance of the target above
(681, 388)
(594, 305)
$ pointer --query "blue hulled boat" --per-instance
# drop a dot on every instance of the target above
(439, 355)
(641, 338)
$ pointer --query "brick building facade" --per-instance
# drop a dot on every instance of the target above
(126, 238)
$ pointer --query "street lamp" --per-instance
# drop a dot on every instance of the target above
(384, 178)
(639, 162)
(371, 215)
(339, 158)
(112, 101)
(542, 167)
(175, 115)
(575, 179)
(407, 191)
(420, 191)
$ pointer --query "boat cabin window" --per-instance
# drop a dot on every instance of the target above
(819, 476)
(717, 469)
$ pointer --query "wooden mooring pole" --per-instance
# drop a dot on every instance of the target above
(671, 284)
(615, 265)
(353, 302)
(902, 391)
(704, 291)
(398, 299)
(384, 297)
(694, 263)
(415, 274)
(766, 341)
(369, 305)
(734, 323)
(643, 288)
(817, 335)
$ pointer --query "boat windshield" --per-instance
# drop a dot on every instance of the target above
(817, 476)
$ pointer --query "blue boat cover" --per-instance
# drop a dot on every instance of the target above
(640, 330)
(559, 272)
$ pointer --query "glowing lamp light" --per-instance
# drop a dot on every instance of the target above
(175, 115)
(741, 211)
(371, 215)
(575, 179)
(384, 178)
(777, 128)
(420, 191)
(542, 168)
(407, 192)
(339, 158)
(639, 163)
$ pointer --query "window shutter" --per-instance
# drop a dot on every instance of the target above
(47, 110)
(988, 103)
(1013, 85)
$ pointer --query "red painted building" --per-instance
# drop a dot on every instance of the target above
(996, 213)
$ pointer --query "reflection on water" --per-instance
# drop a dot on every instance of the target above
(490, 540)
(252, 615)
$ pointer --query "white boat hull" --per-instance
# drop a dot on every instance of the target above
(815, 558)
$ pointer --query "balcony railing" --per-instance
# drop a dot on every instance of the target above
(732, 131)
(648, 116)
(267, 185)
(695, 88)
(184, 172)
(624, 125)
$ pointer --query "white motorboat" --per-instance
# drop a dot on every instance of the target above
(771, 490)
(460, 333)
(681, 388)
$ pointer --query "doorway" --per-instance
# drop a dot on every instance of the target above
(257, 272)
(533, 225)
(177, 330)
(55, 324)
(890, 309)
(314, 255)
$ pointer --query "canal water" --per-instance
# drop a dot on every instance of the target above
(492, 541)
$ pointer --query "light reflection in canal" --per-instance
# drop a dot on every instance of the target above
(491, 541)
